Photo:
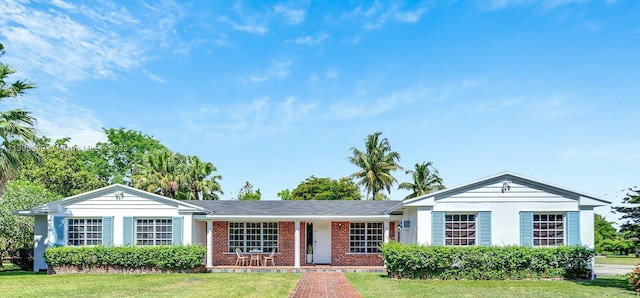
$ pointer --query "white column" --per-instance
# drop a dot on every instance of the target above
(209, 244)
(386, 231)
(296, 262)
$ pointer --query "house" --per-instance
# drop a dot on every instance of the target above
(504, 209)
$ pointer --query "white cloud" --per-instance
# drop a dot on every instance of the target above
(278, 69)
(70, 42)
(154, 77)
(331, 74)
(366, 108)
(309, 40)
(376, 15)
(547, 4)
(248, 26)
(293, 16)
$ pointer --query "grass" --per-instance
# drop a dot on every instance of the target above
(376, 285)
(618, 260)
(26, 284)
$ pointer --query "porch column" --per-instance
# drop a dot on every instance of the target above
(296, 254)
(209, 244)
(386, 231)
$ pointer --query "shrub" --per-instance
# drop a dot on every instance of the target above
(480, 262)
(634, 277)
(169, 257)
(23, 258)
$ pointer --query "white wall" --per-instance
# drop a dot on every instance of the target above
(587, 231)
(41, 242)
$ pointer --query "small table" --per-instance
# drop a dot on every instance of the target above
(255, 255)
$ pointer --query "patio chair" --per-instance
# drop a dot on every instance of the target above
(240, 259)
(269, 258)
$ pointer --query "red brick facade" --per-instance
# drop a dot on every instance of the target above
(340, 255)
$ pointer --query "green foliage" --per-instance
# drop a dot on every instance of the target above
(606, 237)
(17, 131)
(23, 258)
(246, 193)
(169, 257)
(630, 214)
(376, 163)
(17, 231)
(483, 263)
(116, 159)
(314, 188)
(426, 179)
(634, 277)
(284, 195)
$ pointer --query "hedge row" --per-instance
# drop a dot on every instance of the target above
(479, 262)
(127, 257)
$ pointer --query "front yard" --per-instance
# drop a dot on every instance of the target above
(25, 284)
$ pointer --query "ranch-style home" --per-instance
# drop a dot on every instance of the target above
(503, 209)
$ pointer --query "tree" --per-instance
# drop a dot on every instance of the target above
(604, 230)
(17, 231)
(17, 129)
(116, 159)
(200, 181)
(426, 179)
(246, 193)
(63, 170)
(376, 163)
(631, 213)
(162, 172)
(284, 195)
(314, 188)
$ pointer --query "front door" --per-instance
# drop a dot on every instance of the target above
(322, 242)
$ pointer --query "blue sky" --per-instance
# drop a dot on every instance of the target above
(273, 92)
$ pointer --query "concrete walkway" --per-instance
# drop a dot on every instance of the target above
(612, 269)
(324, 284)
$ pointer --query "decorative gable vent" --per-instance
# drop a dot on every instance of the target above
(405, 224)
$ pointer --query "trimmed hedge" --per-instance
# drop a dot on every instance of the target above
(480, 262)
(166, 257)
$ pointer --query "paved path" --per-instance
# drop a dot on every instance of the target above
(612, 269)
(324, 284)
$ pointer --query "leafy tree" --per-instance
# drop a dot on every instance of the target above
(285, 195)
(17, 231)
(314, 188)
(604, 230)
(246, 193)
(376, 163)
(116, 159)
(162, 172)
(17, 130)
(631, 214)
(64, 170)
(426, 179)
(200, 181)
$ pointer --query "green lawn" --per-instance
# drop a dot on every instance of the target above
(618, 260)
(376, 285)
(22, 284)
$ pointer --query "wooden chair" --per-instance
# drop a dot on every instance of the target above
(240, 259)
(255, 256)
(269, 258)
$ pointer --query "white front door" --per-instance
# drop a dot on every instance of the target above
(322, 242)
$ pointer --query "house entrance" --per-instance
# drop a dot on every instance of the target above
(322, 242)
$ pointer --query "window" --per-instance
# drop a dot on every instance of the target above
(548, 229)
(365, 237)
(460, 229)
(84, 231)
(253, 236)
(153, 231)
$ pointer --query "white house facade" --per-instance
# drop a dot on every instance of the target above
(503, 209)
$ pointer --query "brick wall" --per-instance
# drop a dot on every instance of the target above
(340, 255)
(286, 250)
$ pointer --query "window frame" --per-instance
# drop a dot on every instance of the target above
(367, 237)
(548, 229)
(85, 225)
(451, 240)
(166, 222)
(264, 236)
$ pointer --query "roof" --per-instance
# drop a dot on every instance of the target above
(508, 176)
(297, 208)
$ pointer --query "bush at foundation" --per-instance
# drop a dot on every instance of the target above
(479, 262)
(127, 258)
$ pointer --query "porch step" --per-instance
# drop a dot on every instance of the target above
(323, 268)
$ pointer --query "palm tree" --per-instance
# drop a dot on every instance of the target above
(162, 172)
(16, 127)
(426, 179)
(201, 182)
(376, 164)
